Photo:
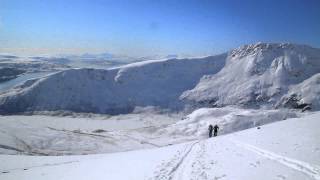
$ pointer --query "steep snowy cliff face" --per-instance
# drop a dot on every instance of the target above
(114, 91)
(305, 95)
(260, 75)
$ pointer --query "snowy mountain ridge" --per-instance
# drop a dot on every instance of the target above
(252, 49)
(113, 91)
(257, 75)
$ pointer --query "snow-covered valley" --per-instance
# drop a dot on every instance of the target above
(52, 135)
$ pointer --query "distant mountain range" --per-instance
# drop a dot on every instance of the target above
(258, 75)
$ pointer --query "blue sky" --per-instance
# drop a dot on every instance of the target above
(149, 27)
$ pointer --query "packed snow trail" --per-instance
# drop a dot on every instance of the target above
(195, 166)
(310, 170)
(169, 168)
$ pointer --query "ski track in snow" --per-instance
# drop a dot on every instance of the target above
(303, 167)
(196, 160)
(179, 170)
(192, 162)
(139, 140)
(169, 168)
(75, 132)
(5, 171)
(203, 163)
(193, 156)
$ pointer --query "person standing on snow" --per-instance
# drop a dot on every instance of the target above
(215, 128)
(210, 130)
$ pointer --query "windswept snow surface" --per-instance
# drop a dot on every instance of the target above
(283, 150)
(114, 91)
(258, 75)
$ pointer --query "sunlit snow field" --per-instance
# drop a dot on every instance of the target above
(147, 128)
(283, 150)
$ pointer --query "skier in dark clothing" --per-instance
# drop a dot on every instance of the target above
(210, 130)
(215, 128)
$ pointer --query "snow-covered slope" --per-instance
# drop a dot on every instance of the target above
(284, 150)
(113, 91)
(258, 74)
(229, 119)
(304, 94)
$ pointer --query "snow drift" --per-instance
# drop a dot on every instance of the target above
(260, 75)
(113, 91)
